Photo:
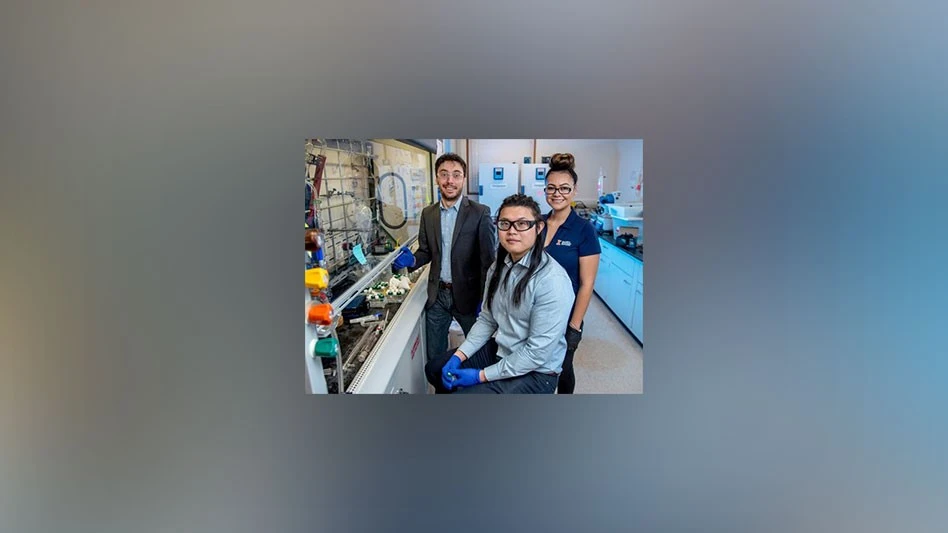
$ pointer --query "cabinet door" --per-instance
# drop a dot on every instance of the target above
(606, 281)
(614, 286)
(409, 375)
(603, 275)
(627, 265)
(401, 378)
(637, 307)
(597, 286)
(607, 249)
(624, 291)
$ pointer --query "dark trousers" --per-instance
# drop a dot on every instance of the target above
(567, 382)
(438, 321)
(530, 383)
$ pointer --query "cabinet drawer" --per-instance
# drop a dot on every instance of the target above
(629, 266)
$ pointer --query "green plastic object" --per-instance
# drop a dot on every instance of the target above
(326, 347)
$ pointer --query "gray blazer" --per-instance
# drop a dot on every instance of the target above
(473, 249)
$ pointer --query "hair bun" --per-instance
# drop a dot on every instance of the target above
(563, 161)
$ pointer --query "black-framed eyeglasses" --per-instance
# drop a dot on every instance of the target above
(564, 190)
(520, 225)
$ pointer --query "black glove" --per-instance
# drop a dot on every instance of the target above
(573, 336)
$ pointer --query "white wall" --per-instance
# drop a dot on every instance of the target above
(501, 150)
(630, 164)
(590, 154)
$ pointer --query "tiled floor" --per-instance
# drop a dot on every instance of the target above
(609, 359)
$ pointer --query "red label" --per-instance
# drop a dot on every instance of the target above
(414, 348)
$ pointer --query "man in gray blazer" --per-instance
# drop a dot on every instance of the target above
(458, 238)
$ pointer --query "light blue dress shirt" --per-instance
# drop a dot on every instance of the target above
(531, 336)
(449, 217)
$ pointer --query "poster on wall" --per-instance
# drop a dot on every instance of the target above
(417, 200)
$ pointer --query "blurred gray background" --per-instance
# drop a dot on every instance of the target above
(149, 317)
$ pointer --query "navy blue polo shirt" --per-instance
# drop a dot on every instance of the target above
(575, 238)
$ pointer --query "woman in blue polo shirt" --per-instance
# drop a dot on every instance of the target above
(573, 243)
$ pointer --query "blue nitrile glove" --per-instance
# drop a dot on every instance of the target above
(467, 377)
(453, 363)
(404, 259)
(448, 379)
(448, 374)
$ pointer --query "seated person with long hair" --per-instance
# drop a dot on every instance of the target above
(526, 308)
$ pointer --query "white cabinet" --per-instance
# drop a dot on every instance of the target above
(602, 275)
(620, 284)
(622, 304)
(409, 375)
(611, 285)
(638, 292)
(628, 265)
(636, 325)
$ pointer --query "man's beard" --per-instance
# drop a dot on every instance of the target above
(457, 193)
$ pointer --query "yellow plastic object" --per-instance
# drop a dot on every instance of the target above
(317, 279)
